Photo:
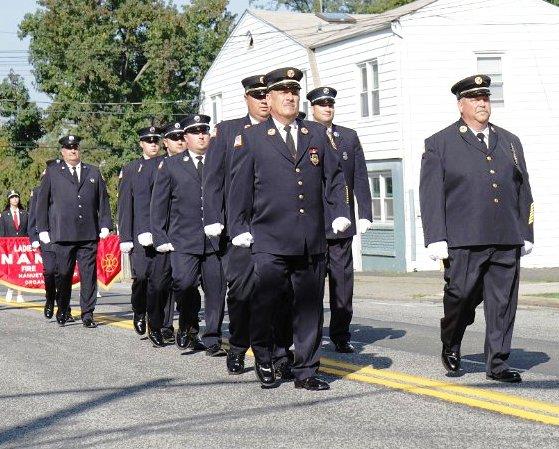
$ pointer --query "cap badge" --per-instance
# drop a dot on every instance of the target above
(152, 130)
(325, 90)
(478, 80)
(463, 129)
(177, 125)
(261, 80)
(271, 132)
(290, 73)
(197, 118)
(314, 156)
(71, 138)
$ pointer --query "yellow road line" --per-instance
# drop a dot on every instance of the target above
(489, 400)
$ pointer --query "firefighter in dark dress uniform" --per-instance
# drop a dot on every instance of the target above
(478, 217)
(340, 258)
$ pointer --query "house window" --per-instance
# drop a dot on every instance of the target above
(492, 66)
(369, 88)
(216, 108)
(382, 195)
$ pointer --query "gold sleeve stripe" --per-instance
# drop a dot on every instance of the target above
(531, 218)
(346, 195)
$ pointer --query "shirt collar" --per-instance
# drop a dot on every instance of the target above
(280, 125)
(193, 155)
(253, 121)
(78, 167)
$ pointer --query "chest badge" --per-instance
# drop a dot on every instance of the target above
(304, 130)
(271, 132)
(344, 155)
(463, 129)
(314, 156)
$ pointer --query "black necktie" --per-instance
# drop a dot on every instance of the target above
(290, 142)
(200, 166)
(481, 137)
(75, 175)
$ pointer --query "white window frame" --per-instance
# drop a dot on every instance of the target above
(382, 175)
(216, 104)
(493, 55)
(370, 88)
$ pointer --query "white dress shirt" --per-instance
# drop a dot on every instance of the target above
(193, 155)
(283, 134)
(485, 132)
(78, 170)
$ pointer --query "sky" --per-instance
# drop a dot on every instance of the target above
(13, 52)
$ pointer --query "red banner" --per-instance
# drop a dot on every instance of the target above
(21, 267)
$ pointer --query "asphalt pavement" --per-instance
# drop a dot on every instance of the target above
(108, 387)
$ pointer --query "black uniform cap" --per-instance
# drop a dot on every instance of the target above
(472, 86)
(196, 121)
(172, 128)
(322, 93)
(69, 140)
(254, 83)
(285, 77)
(12, 193)
(149, 131)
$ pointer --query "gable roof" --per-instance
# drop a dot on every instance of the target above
(311, 31)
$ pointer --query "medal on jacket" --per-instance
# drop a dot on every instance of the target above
(314, 156)
(344, 155)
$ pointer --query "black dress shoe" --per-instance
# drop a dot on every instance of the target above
(89, 323)
(507, 375)
(344, 347)
(283, 370)
(266, 374)
(450, 359)
(168, 335)
(48, 310)
(61, 318)
(139, 323)
(69, 317)
(156, 337)
(195, 343)
(182, 339)
(235, 362)
(312, 384)
(216, 350)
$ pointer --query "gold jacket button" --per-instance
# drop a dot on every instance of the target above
(300, 183)
(302, 211)
(492, 172)
(298, 170)
(496, 200)
(489, 158)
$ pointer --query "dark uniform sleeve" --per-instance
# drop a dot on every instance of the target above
(125, 206)
(31, 221)
(214, 180)
(431, 195)
(159, 206)
(525, 199)
(2, 226)
(43, 203)
(334, 185)
(241, 192)
(361, 186)
(105, 219)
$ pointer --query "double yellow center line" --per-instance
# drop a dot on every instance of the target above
(485, 399)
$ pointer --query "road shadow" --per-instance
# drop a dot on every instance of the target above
(519, 358)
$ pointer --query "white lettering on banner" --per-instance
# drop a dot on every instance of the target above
(8, 259)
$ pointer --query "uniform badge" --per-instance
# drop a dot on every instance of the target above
(140, 168)
(304, 130)
(71, 138)
(152, 129)
(271, 132)
(160, 166)
(185, 159)
(91, 180)
(463, 129)
(177, 125)
(247, 126)
(314, 156)
(63, 167)
(290, 73)
(238, 141)
(325, 90)
(336, 134)
(344, 156)
(261, 80)
(120, 175)
(196, 118)
(478, 80)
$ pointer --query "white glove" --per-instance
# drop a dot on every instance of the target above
(44, 237)
(104, 233)
(340, 224)
(438, 250)
(243, 240)
(35, 244)
(125, 247)
(363, 225)
(165, 248)
(527, 248)
(213, 230)
(145, 239)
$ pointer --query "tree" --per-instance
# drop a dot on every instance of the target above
(113, 66)
(22, 124)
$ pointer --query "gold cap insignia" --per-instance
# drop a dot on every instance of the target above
(290, 73)
(177, 125)
(197, 118)
(325, 90)
(271, 132)
(304, 130)
(478, 80)
(463, 129)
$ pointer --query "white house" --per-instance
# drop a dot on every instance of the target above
(393, 73)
